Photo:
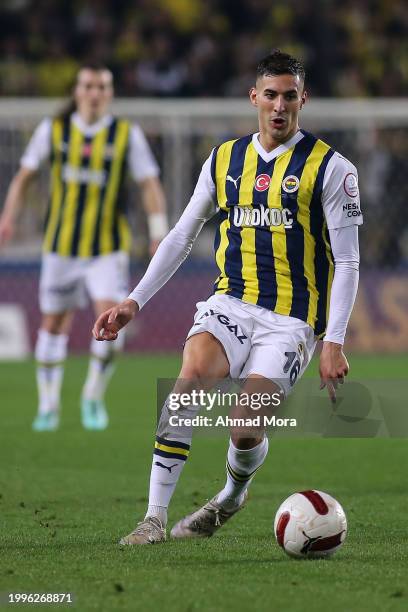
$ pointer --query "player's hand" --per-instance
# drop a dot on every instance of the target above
(7, 228)
(111, 321)
(333, 368)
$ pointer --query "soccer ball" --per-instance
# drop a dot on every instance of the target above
(310, 524)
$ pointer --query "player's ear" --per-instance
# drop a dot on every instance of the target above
(253, 96)
(303, 98)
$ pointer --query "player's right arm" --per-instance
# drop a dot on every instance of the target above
(341, 205)
(38, 149)
(14, 203)
(169, 256)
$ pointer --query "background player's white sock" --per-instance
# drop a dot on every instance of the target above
(101, 368)
(241, 468)
(169, 458)
(50, 354)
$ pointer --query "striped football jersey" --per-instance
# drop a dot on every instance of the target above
(86, 215)
(272, 244)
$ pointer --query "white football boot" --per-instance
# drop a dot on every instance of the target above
(204, 522)
(149, 531)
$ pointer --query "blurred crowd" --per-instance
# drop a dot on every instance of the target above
(203, 47)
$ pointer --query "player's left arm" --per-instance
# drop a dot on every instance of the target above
(341, 207)
(154, 204)
(144, 169)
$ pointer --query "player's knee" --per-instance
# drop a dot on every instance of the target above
(52, 326)
(204, 357)
(56, 323)
(201, 368)
(194, 370)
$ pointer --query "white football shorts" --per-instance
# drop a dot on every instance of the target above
(66, 282)
(257, 340)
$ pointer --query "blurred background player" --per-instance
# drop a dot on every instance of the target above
(87, 236)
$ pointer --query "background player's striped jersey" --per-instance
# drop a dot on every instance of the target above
(86, 212)
(272, 245)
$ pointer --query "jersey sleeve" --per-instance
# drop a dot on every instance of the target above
(176, 246)
(142, 164)
(39, 147)
(344, 244)
(340, 197)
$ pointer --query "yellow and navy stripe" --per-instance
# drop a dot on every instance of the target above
(61, 132)
(285, 269)
(237, 476)
(267, 265)
(87, 217)
(171, 449)
(323, 263)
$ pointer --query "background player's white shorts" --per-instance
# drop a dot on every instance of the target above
(66, 281)
(256, 340)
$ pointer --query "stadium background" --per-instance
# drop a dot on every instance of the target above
(182, 69)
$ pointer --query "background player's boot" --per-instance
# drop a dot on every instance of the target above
(94, 415)
(149, 531)
(204, 522)
(46, 422)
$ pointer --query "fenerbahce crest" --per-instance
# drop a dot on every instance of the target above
(290, 184)
(262, 216)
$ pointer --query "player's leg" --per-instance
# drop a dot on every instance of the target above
(106, 279)
(203, 359)
(247, 447)
(59, 296)
(281, 350)
(246, 453)
(100, 370)
(50, 355)
(217, 346)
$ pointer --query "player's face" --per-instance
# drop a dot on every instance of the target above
(93, 93)
(278, 100)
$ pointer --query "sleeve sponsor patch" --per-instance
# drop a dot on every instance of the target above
(352, 209)
(350, 185)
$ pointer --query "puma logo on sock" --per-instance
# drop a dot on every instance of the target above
(166, 467)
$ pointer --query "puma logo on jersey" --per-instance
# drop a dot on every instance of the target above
(166, 467)
(246, 216)
(235, 181)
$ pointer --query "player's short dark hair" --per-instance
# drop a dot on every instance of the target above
(94, 67)
(277, 63)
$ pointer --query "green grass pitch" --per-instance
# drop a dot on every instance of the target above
(67, 497)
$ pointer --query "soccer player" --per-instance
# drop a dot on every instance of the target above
(288, 257)
(87, 235)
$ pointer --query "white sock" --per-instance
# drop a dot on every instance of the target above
(99, 374)
(169, 458)
(50, 353)
(100, 368)
(241, 468)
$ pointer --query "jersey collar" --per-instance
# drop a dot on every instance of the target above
(269, 156)
(91, 130)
